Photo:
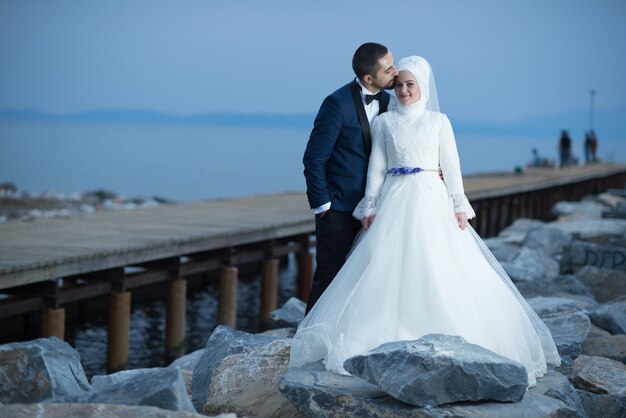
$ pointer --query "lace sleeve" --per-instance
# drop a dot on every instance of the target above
(451, 168)
(366, 207)
(376, 173)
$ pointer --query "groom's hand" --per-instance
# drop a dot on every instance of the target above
(367, 221)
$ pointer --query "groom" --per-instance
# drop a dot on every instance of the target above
(336, 158)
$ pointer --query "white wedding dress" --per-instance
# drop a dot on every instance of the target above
(414, 271)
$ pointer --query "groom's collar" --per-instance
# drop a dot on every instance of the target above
(364, 90)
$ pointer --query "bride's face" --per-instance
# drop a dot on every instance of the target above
(406, 88)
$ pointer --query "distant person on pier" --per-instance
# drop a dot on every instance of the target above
(587, 148)
(539, 161)
(594, 146)
(536, 160)
(337, 155)
(565, 149)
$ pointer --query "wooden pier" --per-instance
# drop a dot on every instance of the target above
(48, 263)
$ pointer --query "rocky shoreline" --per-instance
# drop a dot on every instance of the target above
(572, 272)
(18, 205)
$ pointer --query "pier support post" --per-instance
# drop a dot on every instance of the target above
(175, 320)
(305, 273)
(53, 323)
(269, 287)
(119, 324)
(227, 314)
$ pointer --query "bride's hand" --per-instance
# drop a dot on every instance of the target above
(367, 221)
(461, 220)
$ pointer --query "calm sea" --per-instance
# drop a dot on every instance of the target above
(185, 163)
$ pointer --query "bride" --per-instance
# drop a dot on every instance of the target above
(417, 267)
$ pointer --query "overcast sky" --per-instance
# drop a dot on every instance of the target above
(493, 60)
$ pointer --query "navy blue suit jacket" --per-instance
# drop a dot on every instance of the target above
(337, 154)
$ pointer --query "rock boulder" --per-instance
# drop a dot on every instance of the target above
(40, 370)
(247, 383)
(438, 369)
(223, 342)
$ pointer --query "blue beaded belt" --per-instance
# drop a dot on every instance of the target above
(399, 171)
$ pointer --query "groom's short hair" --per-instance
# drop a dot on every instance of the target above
(365, 59)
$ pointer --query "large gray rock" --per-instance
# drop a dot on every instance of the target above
(40, 370)
(557, 386)
(247, 383)
(598, 230)
(290, 314)
(609, 346)
(188, 361)
(585, 209)
(562, 286)
(531, 264)
(604, 284)
(186, 364)
(567, 322)
(516, 232)
(581, 253)
(161, 387)
(532, 406)
(438, 369)
(502, 250)
(280, 332)
(77, 410)
(595, 332)
(599, 375)
(565, 368)
(611, 316)
(319, 393)
(603, 406)
(223, 342)
(552, 241)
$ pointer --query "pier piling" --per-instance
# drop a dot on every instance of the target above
(119, 326)
(269, 288)
(53, 323)
(175, 321)
(227, 314)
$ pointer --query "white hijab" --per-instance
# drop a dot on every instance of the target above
(421, 70)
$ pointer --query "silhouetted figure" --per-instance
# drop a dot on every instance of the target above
(587, 148)
(594, 145)
(536, 161)
(565, 149)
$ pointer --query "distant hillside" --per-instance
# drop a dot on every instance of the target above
(609, 122)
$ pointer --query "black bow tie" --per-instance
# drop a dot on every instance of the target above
(371, 97)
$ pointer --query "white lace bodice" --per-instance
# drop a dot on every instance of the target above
(404, 140)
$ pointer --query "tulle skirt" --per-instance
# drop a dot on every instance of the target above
(415, 272)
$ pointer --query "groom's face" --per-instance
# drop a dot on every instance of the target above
(384, 77)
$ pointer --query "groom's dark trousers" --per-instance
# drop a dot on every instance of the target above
(335, 169)
(335, 233)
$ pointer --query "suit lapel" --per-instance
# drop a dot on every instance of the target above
(360, 109)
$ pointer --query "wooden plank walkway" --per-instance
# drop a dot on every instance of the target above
(45, 249)
(499, 184)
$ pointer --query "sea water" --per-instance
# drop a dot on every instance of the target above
(191, 162)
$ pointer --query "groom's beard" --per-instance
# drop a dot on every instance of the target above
(391, 84)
